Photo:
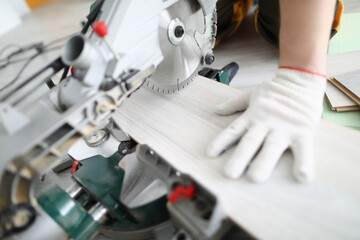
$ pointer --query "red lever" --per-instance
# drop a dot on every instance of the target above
(100, 29)
(75, 167)
(182, 192)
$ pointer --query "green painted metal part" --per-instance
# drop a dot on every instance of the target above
(92, 6)
(69, 214)
(103, 178)
(223, 77)
(216, 75)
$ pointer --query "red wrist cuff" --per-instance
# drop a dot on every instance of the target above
(304, 70)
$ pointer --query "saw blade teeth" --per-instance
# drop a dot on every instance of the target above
(153, 85)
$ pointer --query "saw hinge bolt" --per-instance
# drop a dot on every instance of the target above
(209, 58)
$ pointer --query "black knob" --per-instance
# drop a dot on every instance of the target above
(209, 58)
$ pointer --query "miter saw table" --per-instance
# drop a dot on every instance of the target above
(176, 128)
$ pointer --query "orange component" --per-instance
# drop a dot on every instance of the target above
(337, 21)
(240, 9)
(35, 3)
(256, 20)
(182, 192)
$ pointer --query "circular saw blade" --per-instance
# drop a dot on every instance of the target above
(181, 62)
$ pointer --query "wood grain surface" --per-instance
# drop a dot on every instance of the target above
(180, 126)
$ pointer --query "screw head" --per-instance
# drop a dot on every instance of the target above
(102, 108)
(97, 138)
(179, 31)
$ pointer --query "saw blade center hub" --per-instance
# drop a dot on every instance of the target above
(176, 31)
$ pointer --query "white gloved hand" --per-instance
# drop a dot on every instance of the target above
(281, 113)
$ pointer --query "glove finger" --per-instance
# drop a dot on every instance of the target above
(227, 137)
(245, 151)
(304, 159)
(238, 103)
(265, 162)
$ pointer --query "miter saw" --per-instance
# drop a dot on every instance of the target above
(161, 44)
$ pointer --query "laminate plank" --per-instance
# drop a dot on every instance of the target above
(180, 126)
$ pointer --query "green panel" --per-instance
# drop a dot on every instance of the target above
(67, 213)
(349, 119)
(348, 38)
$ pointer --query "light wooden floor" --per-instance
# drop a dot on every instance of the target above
(258, 60)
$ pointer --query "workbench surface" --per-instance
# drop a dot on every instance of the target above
(180, 126)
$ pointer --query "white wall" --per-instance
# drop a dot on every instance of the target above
(19, 6)
(9, 18)
(10, 14)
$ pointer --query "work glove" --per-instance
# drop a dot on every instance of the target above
(281, 113)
